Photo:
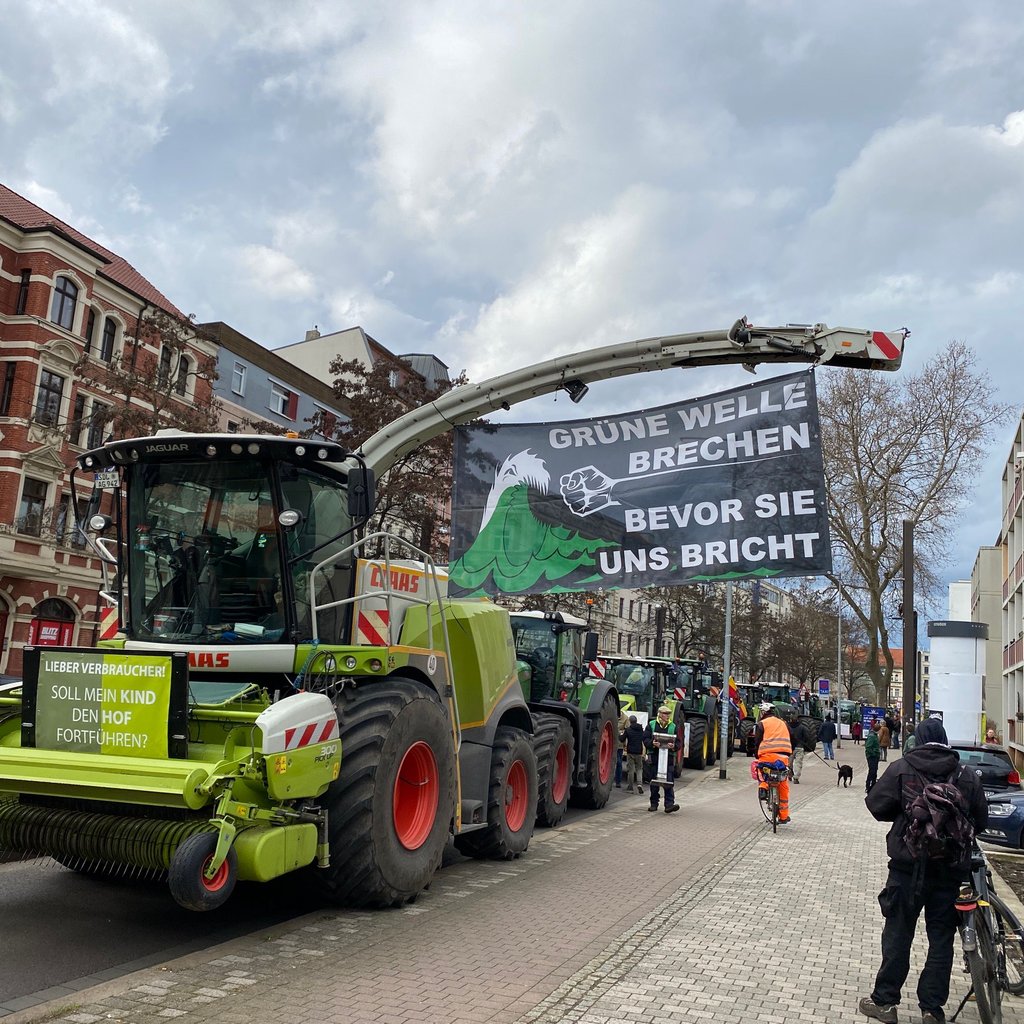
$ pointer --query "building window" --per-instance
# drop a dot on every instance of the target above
(51, 390)
(32, 507)
(65, 295)
(238, 379)
(65, 528)
(7, 388)
(282, 401)
(392, 378)
(164, 373)
(98, 420)
(181, 381)
(327, 422)
(109, 335)
(232, 427)
(622, 606)
(77, 419)
(19, 307)
(90, 330)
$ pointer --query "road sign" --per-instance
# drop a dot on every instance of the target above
(823, 687)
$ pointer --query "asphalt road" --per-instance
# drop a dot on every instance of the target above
(61, 928)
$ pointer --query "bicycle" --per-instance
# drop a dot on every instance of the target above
(992, 939)
(769, 772)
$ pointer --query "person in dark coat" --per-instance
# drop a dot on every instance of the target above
(800, 738)
(906, 892)
(633, 740)
(661, 726)
(827, 734)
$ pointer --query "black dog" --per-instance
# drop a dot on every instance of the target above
(845, 775)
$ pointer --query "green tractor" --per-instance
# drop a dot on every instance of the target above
(697, 690)
(275, 698)
(575, 714)
(809, 711)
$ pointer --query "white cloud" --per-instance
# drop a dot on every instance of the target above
(274, 273)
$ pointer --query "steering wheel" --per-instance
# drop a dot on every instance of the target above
(544, 655)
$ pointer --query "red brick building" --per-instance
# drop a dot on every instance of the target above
(62, 297)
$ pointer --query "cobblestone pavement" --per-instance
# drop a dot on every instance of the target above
(625, 916)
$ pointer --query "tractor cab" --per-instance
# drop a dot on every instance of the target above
(227, 542)
(639, 681)
(552, 649)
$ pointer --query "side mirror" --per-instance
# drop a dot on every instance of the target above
(361, 492)
(590, 647)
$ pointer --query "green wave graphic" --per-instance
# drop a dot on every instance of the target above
(515, 553)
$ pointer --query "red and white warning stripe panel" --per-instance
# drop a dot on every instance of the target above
(109, 623)
(597, 668)
(372, 627)
(314, 732)
(888, 345)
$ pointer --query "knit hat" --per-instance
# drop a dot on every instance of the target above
(931, 730)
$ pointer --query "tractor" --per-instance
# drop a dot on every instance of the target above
(575, 715)
(808, 711)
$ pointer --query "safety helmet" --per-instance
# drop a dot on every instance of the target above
(767, 707)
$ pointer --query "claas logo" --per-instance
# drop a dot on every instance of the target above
(401, 579)
(209, 659)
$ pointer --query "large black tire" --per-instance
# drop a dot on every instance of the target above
(714, 740)
(600, 771)
(391, 807)
(190, 888)
(746, 730)
(698, 758)
(511, 801)
(554, 749)
(982, 965)
(813, 726)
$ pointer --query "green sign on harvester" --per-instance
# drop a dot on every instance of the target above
(98, 703)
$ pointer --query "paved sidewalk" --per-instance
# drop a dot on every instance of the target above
(756, 927)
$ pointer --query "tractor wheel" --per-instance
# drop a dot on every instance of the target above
(698, 758)
(189, 886)
(813, 726)
(746, 731)
(553, 746)
(600, 758)
(511, 801)
(391, 807)
(714, 741)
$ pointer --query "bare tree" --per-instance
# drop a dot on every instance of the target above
(412, 496)
(150, 390)
(900, 447)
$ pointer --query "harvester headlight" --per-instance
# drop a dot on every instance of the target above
(254, 449)
(350, 662)
(289, 517)
(89, 461)
(99, 522)
(211, 450)
(321, 453)
(300, 449)
(236, 449)
(134, 455)
(375, 664)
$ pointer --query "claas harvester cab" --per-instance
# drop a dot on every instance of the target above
(277, 693)
(575, 713)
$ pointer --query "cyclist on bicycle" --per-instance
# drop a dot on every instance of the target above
(913, 886)
(774, 742)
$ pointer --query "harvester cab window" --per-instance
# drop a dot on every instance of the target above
(205, 558)
(536, 644)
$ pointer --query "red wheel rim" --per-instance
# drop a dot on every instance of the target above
(604, 753)
(560, 773)
(417, 790)
(219, 880)
(516, 791)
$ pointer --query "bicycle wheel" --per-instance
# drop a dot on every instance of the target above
(982, 964)
(763, 805)
(773, 799)
(1011, 953)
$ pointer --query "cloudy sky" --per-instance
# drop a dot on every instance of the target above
(499, 182)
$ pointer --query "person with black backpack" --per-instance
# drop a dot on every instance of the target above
(936, 808)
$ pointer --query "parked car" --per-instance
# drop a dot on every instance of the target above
(1005, 820)
(992, 765)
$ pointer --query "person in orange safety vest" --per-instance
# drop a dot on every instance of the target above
(774, 742)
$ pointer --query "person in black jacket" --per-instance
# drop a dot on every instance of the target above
(633, 739)
(827, 734)
(913, 885)
(800, 738)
